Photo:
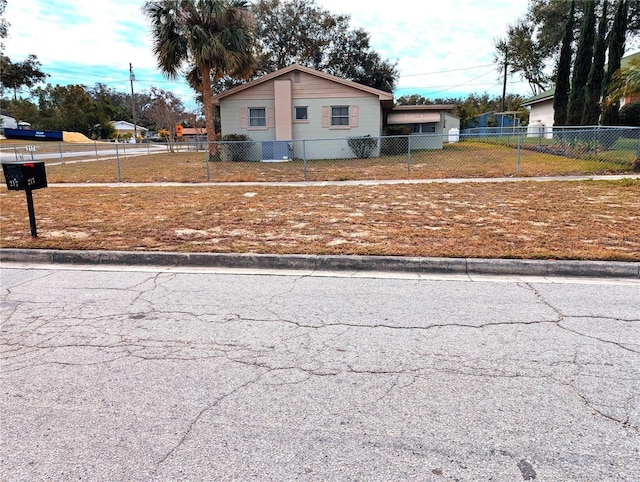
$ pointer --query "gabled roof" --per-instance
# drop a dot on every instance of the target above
(382, 95)
(546, 95)
(126, 125)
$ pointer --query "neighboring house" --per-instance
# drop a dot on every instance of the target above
(194, 134)
(124, 127)
(296, 103)
(8, 122)
(426, 119)
(495, 119)
(541, 113)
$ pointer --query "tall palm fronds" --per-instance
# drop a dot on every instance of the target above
(201, 39)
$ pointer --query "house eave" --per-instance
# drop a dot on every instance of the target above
(382, 95)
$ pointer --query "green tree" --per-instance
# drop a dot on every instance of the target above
(519, 49)
(23, 110)
(299, 31)
(630, 114)
(591, 112)
(66, 108)
(582, 66)
(111, 104)
(4, 25)
(561, 96)
(213, 37)
(616, 51)
(542, 21)
(17, 75)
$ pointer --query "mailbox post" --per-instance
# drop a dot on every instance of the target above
(26, 176)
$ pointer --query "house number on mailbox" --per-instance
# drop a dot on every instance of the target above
(26, 176)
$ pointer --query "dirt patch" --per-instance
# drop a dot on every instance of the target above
(75, 137)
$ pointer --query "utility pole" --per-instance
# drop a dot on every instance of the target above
(504, 83)
(133, 103)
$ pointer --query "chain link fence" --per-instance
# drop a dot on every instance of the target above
(500, 152)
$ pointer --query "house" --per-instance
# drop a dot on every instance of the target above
(8, 122)
(491, 120)
(426, 119)
(194, 134)
(541, 113)
(297, 102)
(124, 128)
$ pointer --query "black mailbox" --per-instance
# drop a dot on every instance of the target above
(25, 176)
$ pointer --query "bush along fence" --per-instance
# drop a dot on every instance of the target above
(503, 152)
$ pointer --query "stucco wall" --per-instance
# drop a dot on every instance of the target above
(369, 122)
(542, 112)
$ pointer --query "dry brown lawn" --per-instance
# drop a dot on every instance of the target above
(594, 220)
(462, 160)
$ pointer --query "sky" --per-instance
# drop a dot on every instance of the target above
(443, 48)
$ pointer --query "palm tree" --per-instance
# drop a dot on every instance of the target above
(625, 82)
(212, 37)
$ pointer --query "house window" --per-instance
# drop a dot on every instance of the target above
(340, 115)
(429, 128)
(301, 113)
(257, 117)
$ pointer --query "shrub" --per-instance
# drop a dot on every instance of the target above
(397, 142)
(236, 147)
(630, 114)
(399, 130)
(362, 147)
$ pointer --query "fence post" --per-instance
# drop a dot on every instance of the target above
(519, 148)
(118, 163)
(60, 149)
(95, 145)
(206, 162)
(304, 158)
(15, 150)
(408, 156)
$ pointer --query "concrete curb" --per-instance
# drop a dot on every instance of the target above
(471, 266)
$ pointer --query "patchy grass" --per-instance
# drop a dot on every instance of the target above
(563, 220)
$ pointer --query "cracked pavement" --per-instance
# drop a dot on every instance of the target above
(158, 374)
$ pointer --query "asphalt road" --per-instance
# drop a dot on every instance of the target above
(146, 373)
(9, 154)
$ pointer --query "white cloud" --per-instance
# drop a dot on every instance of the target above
(87, 42)
(436, 36)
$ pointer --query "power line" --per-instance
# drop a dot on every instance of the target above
(447, 71)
